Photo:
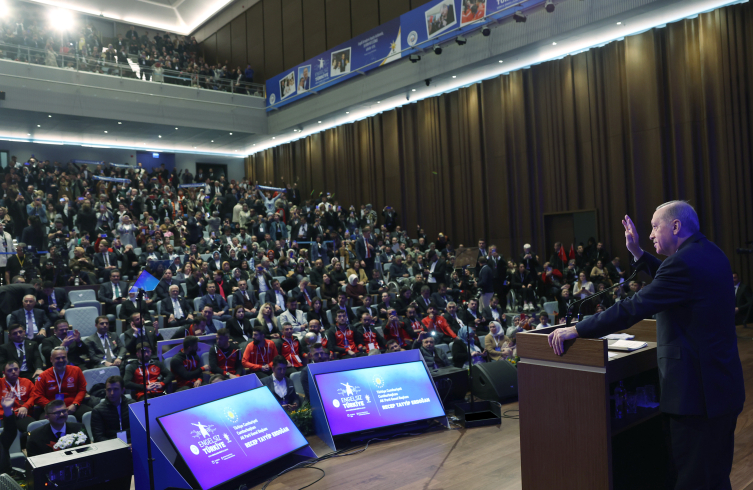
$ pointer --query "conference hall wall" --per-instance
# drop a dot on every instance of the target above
(622, 128)
(274, 35)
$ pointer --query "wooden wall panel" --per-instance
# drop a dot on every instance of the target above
(223, 45)
(210, 49)
(338, 22)
(238, 42)
(364, 15)
(255, 41)
(417, 3)
(292, 32)
(390, 9)
(273, 49)
(314, 28)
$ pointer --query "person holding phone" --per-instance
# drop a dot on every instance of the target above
(66, 337)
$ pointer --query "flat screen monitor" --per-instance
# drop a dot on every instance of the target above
(226, 438)
(376, 397)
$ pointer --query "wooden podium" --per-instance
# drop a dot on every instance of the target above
(569, 438)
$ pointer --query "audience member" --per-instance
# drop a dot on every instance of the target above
(110, 419)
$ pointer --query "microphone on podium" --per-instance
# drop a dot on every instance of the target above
(569, 314)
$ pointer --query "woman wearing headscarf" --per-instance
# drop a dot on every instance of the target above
(355, 290)
(127, 231)
(467, 337)
(495, 342)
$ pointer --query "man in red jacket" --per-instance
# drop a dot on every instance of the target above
(186, 365)
(439, 324)
(259, 354)
(62, 382)
(157, 379)
(291, 350)
(398, 331)
(341, 339)
(224, 357)
(22, 390)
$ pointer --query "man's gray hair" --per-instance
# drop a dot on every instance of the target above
(683, 212)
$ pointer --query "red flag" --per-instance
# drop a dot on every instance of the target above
(572, 252)
(563, 255)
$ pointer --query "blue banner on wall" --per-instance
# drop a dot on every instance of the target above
(370, 50)
(435, 22)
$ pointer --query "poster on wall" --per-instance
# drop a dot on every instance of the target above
(370, 50)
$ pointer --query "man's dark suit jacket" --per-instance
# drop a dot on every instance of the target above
(61, 298)
(743, 298)
(42, 439)
(131, 341)
(104, 295)
(40, 318)
(361, 248)
(440, 302)
(693, 299)
(96, 352)
(8, 352)
(167, 310)
(290, 397)
(99, 263)
(239, 300)
(193, 290)
(162, 290)
(78, 355)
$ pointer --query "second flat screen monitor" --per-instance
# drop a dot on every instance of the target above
(370, 398)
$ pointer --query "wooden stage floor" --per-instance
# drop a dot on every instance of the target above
(481, 458)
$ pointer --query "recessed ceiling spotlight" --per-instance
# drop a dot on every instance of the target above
(273, 137)
(49, 115)
(412, 90)
(379, 101)
(554, 43)
(254, 144)
(120, 122)
(320, 122)
(28, 134)
(210, 141)
(39, 125)
(619, 23)
(501, 61)
(159, 135)
(105, 131)
(454, 76)
(176, 129)
(347, 112)
(231, 134)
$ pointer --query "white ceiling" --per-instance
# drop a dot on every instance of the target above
(178, 16)
(40, 127)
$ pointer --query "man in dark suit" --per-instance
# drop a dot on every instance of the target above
(196, 285)
(22, 350)
(105, 348)
(441, 298)
(304, 294)
(700, 374)
(135, 335)
(43, 439)
(281, 387)
(216, 301)
(246, 298)
(131, 306)
(485, 282)
(437, 270)
(35, 321)
(78, 354)
(54, 301)
(423, 301)
(366, 249)
(176, 309)
(112, 293)
(162, 290)
(743, 299)
(104, 261)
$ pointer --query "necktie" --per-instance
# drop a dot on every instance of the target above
(21, 356)
(115, 291)
(58, 434)
(366, 244)
(50, 301)
(177, 309)
(107, 259)
(106, 347)
(29, 324)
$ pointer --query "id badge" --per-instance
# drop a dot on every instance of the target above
(123, 436)
(60, 396)
(498, 349)
(371, 347)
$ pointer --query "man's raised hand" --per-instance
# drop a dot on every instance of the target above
(631, 238)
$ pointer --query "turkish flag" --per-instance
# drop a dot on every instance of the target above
(572, 251)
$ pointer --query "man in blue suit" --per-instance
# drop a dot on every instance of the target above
(700, 373)
(216, 302)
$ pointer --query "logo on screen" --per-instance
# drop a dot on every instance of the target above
(348, 390)
(204, 430)
(336, 403)
(231, 415)
(378, 381)
(194, 450)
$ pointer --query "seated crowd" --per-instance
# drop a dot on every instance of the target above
(161, 57)
(279, 281)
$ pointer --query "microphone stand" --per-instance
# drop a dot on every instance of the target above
(144, 362)
(569, 314)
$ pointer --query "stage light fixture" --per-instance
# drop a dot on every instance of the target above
(486, 31)
(549, 6)
(461, 40)
(519, 16)
(414, 58)
(437, 49)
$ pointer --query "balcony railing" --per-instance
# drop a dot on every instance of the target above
(127, 69)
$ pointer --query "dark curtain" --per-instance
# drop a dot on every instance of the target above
(621, 129)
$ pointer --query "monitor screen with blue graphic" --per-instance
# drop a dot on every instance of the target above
(374, 397)
(226, 438)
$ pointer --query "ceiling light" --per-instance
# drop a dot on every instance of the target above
(554, 43)
(39, 125)
(105, 132)
(160, 135)
(231, 134)
(501, 61)
(61, 19)
(28, 134)
(412, 90)
(486, 31)
(414, 58)
(519, 16)
(320, 122)
(437, 49)
(347, 112)
(454, 76)
(49, 116)
(120, 122)
(461, 40)
(379, 101)
(619, 23)
(176, 129)
(273, 137)
(212, 141)
(549, 6)
(254, 144)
